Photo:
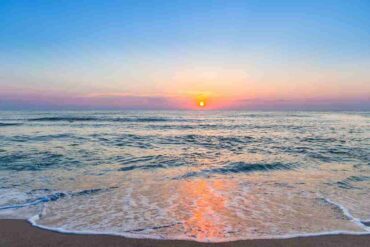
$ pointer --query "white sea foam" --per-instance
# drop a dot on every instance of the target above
(349, 215)
(130, 229)
(33, 220)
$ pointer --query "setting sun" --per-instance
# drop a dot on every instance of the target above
(202, 104)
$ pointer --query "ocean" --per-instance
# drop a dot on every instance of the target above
(200, 175)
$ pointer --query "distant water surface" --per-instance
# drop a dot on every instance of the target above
(207, 176)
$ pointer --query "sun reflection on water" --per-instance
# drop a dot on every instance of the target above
(205, 206)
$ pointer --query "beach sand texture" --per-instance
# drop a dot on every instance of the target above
(20, 233)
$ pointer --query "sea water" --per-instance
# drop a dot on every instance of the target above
(201, 175)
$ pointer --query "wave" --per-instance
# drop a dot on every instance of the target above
(151, 162)
(48, 198)
(348, 182)
(66, 119)
(32, 162)
(366, 223)
(54, 197)
(135, 235)
(358, 178)
(9, 124)
(212, 240)
(140, 232)
(250, 167)
(100, 119)
(144, 167)
(347, 214)
(319, 140)
(241, 167)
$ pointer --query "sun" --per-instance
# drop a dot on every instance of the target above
(201, 101)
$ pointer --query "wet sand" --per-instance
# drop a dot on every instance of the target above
(16, 233)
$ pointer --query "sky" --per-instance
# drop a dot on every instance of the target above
(229, 54)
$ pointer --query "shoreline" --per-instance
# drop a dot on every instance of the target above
(20, 233)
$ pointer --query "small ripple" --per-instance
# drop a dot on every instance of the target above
(151, 162)
(105, 119)
(54, 197)
(33, 162)
(319, 140)
(9, 124)
(347, 183)
(63, 119)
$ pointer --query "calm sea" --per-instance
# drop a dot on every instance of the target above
(207, 176)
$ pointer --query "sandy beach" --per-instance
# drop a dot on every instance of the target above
(19, 233)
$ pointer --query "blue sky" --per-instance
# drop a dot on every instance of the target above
(174, 49)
